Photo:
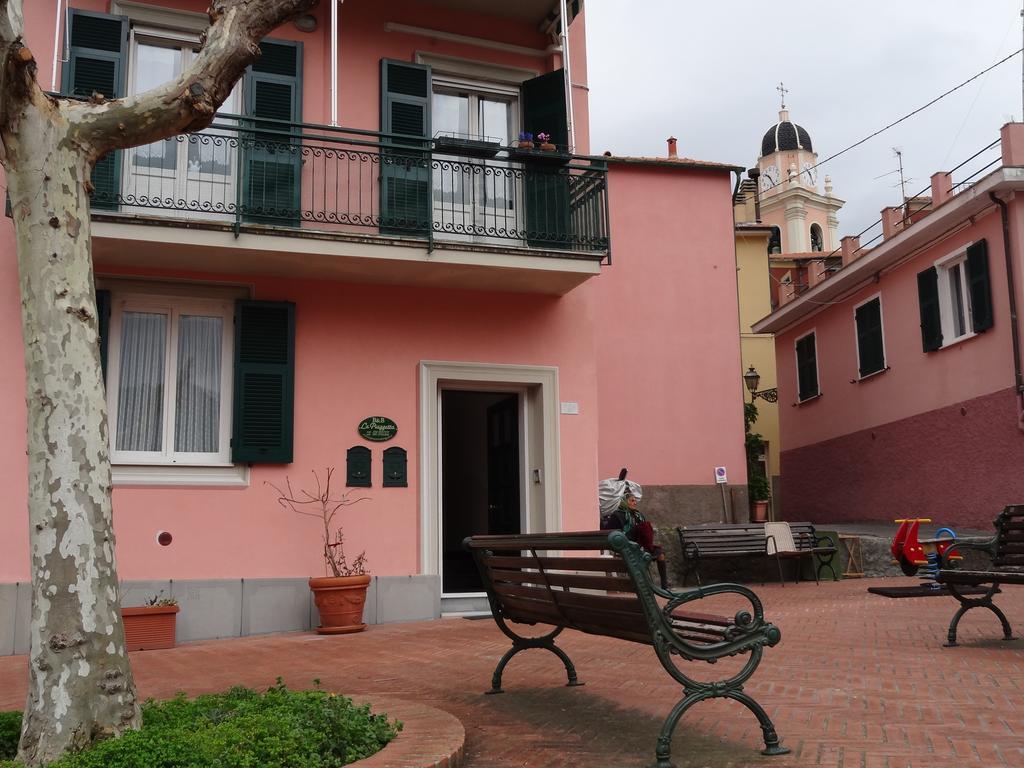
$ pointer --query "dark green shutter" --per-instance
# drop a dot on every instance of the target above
(807, 368)
(869, 337)
(98, 48)
(103, 326)
(405, 177)
(272, 167)
(928, 300)
(264, 382)
(546, 187)
(980, 286)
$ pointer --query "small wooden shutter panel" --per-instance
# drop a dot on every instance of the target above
(980, 286)
(928, 299)
(264, 382)
(271, 186)
(405, 199)
(546, 189)
(869, 337)
(103, 326)
(807, 368)
(98, 46)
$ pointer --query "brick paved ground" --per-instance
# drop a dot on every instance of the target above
(859, 681)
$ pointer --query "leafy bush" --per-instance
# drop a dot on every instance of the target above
(10, 731)
(244, 729)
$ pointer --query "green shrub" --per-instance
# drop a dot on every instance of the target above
(244, 729)
(10, 731)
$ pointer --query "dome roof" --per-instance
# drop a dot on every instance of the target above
(785, 135)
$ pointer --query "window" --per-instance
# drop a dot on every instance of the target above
(807, 367)
(870, 348)
(472, 196)
(775, 241)
(200, 170)
(170, 380)
(817, 242)
(955, 297)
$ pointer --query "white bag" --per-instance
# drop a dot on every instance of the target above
(611, 491)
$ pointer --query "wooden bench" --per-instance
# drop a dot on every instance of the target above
(1006, 550)
(733, 541)
(558, 579)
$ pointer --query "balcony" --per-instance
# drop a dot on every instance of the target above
(266, 196)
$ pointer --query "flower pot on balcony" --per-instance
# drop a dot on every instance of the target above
(340, 600)
(548, 147)
(149, 627)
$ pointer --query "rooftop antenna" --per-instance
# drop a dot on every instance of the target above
(903, 181)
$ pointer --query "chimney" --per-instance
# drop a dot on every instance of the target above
(672, 154)
(892, 220)
(815, 272)
(754, 175)
(849, 245)
(942, 188)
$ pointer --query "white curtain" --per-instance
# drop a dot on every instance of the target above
(141, 381)
(197, 405)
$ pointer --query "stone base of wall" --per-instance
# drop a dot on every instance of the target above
(671, 505)
(958, 465)
(240, 607)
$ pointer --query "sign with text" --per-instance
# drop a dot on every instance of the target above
(720, 476)
(377, 429)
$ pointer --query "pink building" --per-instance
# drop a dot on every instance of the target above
(903, 368)
(270, 284)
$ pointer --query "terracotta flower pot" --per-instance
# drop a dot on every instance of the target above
(548, 147)
(340, 600)
(149, 627)
(759, 512)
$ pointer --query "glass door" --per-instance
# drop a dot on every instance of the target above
(474, 197)
(195, 172)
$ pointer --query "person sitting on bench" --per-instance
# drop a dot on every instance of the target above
(628, 518)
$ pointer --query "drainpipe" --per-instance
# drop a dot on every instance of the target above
(567, 66)
(56, 46)
(1014, 330)
(334, 61)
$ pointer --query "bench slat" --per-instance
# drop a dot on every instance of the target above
(596, 564)
(579, 581)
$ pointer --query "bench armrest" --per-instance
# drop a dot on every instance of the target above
(824, 539)
(988, 546)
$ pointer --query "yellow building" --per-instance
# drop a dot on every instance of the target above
(758, 349)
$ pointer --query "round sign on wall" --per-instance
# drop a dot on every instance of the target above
(377, 428)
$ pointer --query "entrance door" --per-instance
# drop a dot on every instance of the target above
(480, 478)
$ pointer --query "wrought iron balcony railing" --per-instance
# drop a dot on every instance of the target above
(248, 171)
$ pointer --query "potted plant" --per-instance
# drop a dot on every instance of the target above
(758, 488)
(545, 142)
(525, 140)
(341, 594)
(151, 626)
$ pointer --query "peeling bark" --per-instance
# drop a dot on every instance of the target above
(80, 681)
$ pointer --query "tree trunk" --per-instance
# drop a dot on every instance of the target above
(81, 685)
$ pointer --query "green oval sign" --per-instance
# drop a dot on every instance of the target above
(377, 428)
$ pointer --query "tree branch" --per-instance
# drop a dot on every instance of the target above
(17, 65)
(188, 103)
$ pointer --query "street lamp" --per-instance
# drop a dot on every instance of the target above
(752, 378)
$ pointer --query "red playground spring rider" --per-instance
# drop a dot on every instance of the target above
(921, 555)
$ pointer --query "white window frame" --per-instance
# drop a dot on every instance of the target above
(174, 306)
(856, 338)
(188, 43)
(817, 366)
(943, 268)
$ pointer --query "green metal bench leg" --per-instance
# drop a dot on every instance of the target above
(828, 564)
(951, 635)
(772, 746)
(523, 644)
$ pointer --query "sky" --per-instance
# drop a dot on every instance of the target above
(707, 74)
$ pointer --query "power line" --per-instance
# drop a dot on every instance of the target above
(904, 118)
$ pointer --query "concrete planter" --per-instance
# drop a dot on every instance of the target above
(340, 600)
(149, 627)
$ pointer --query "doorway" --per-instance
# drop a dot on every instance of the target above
(481, 478)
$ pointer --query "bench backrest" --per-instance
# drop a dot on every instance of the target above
(1010, 537)
(724, 539)
(530, 584)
